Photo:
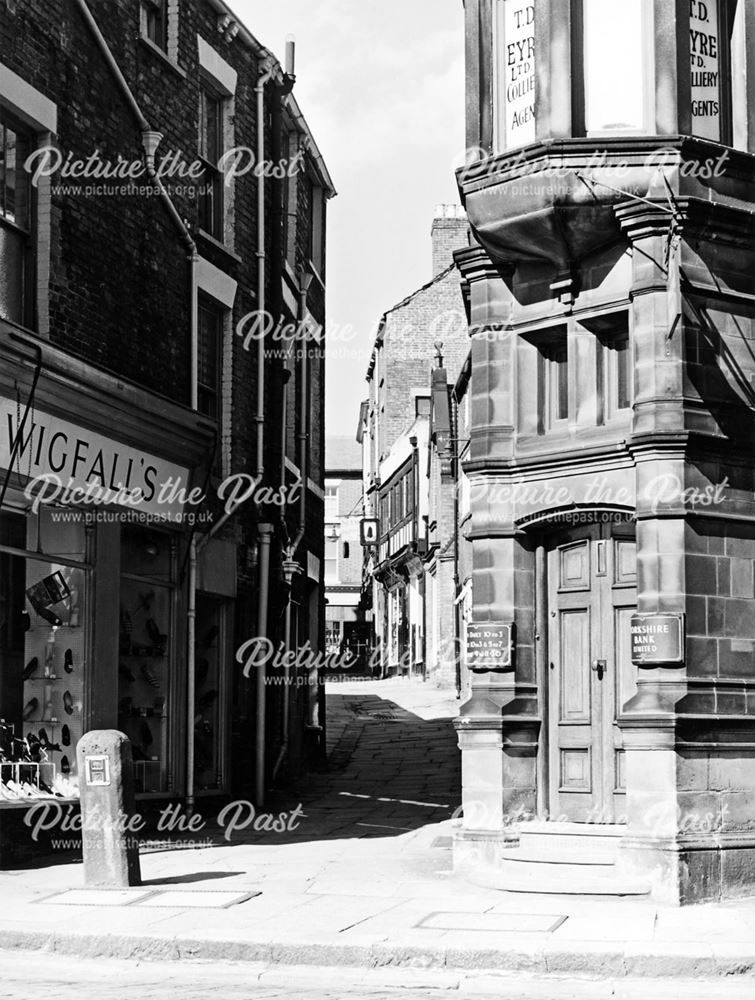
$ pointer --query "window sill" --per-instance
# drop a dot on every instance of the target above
(162, 55)
(222, 247)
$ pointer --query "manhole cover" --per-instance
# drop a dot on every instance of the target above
(380, 717)
(527, 923)
(214, 899)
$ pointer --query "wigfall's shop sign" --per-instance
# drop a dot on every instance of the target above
(67, 464)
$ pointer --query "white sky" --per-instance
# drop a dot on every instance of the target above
(381, 83)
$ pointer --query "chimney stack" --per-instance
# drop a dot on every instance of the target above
(450, 232)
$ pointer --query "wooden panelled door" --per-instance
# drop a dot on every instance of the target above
(592, 594)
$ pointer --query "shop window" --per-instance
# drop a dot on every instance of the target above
(146, 667)
(45, 624)
(618, 78)
(553, 382)
(211, 148)
(514, 73)
(15, 222)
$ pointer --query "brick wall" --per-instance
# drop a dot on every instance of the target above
(119, 282)
(449, 232)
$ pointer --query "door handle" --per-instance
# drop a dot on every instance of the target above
(600, 667)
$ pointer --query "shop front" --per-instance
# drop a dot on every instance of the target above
(95, 521)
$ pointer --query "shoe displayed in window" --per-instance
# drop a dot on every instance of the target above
(31, 667)
(149, 676)
(30, 708)
(126, 673)
(68, 702)
(207, 699)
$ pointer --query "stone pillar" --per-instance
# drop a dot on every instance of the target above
(110, 824)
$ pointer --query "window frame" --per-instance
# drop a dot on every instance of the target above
(207, 305)
(22, 232)
(212, 220)
(156, 11)
(580, 81)
(610, 362)
(553, 381)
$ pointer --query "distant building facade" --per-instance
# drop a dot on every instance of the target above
(346, 631)
(410, 571)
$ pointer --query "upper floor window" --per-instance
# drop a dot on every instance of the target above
(211, 148)
(614, 359)
(209, 358)
(156, 22)
(553, 382)
(317, 229)
(331, 501)
(422, 406)
(618, 66)
(15, 222)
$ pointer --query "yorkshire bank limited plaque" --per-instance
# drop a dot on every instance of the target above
(489, 647)
(657, 639)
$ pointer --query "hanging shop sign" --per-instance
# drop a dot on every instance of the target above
(657, 639)
(489, 647)
(68, 464)
(705, 69)
(369, 531)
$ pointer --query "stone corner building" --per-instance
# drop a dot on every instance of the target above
(610, 187)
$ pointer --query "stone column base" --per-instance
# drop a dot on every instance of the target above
(474, 850)
(682, 872)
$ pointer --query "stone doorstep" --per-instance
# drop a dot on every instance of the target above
(572, 880)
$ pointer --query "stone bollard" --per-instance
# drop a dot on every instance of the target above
(106, 786)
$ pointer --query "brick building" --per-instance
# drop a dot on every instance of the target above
(162, 214)
(610, 289)
(411, 571)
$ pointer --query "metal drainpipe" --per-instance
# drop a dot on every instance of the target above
(265, 530)
(262, 81)
(457, 556)
(289, 566)
(416, 518)
(150, 141)
(265, 533)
